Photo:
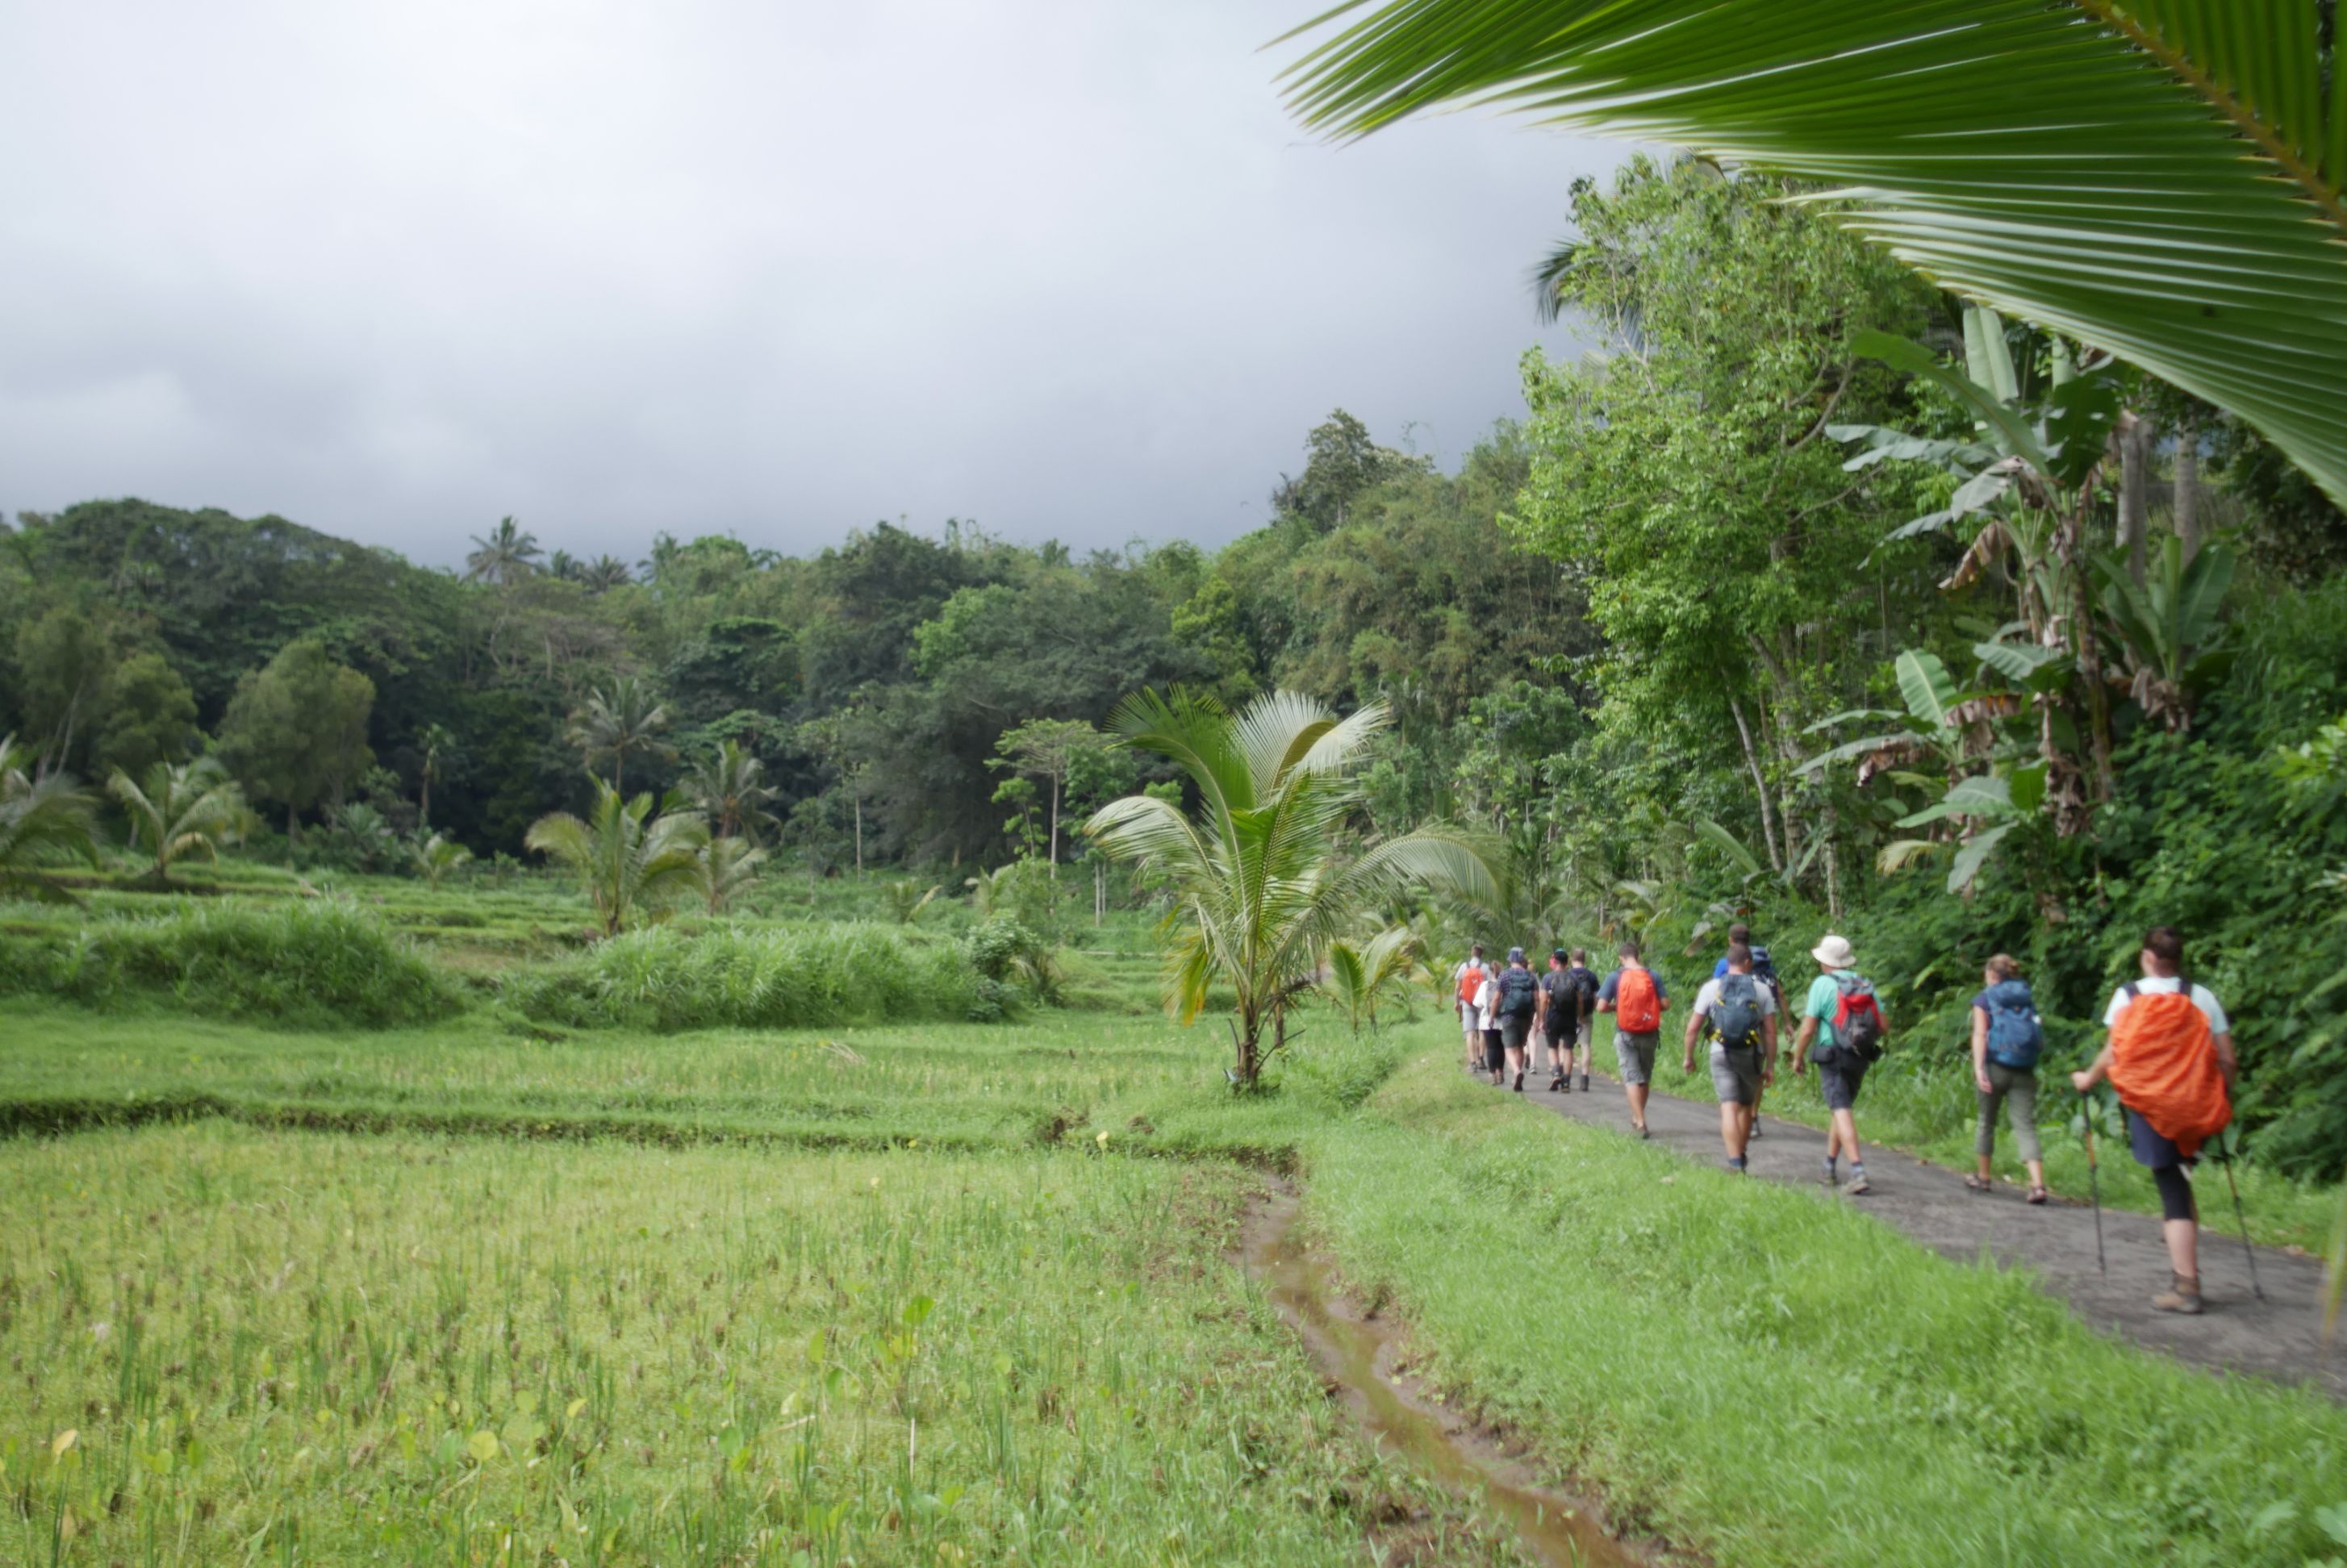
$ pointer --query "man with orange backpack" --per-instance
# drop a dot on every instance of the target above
(1633, 994)
(1466, 985)
(2170, 1057)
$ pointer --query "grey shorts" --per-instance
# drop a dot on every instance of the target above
(1636, 1055)
(1837, 1081)
(1514, 1032)
(1736, 1075)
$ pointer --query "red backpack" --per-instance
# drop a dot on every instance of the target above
(1471, 980)
(1636, 1008)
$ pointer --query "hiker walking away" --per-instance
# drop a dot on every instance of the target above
(1843, 1030)
(1486, 1007)
(1764, 969)
(1467, 980)
(1519, 993)
(1633, 994)
(1740, 1015)
(2008, 1039)
(1571, 992)
(2170, 1057)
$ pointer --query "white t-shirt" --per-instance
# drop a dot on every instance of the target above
(1487, 996)
(2167, 985)
(1708, 997)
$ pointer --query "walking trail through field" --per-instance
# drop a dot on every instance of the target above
(2279, 1337)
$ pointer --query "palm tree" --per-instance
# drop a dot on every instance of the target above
(1260, 891)
(605, 573)
(627, 859)
(623, 721)
(40, 821)
(1363, 976)
(180, 811)
(506, 556)
(731, 790)
(564, 567)
(2183, 211)
(728, 865)
(437, 857)
(439, 748)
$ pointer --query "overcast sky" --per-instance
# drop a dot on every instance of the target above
(711, 266)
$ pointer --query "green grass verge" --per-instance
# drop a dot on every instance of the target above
(1771, 1378)
(234, 1347)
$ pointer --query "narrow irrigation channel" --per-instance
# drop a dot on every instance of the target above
(1358, 1352)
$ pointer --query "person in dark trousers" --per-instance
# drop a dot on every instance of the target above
(2006, 1041)
(1518, 1003)
(1764, 969)
(1838, 999)
(2170, 1057)
(1571, 992)
(1633, 994)
(1740, 1013)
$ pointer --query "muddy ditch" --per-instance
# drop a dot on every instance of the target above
(1360, 1352)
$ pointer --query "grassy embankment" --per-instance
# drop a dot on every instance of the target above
(1774, 1378)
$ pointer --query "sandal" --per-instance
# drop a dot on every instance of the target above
(1975, 1184)
(2036, 1195)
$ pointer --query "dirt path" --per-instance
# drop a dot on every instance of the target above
(2279, 1337)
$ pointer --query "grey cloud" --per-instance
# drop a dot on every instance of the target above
(778, 271)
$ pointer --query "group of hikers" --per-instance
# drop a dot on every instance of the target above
(2168, 1053)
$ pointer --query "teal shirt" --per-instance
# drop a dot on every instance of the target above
(1824, 1001)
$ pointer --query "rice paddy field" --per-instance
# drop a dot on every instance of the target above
(480, 1288)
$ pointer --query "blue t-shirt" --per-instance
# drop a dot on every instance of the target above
(1610, 990)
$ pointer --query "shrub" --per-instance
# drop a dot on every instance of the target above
(668, 979)
(322, 964)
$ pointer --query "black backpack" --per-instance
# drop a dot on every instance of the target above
(1519, 993)
(1583, 980)
(1736, 1016)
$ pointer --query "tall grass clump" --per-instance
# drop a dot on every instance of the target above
(312, 964)
(666, 979)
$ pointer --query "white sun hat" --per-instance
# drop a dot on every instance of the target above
(1834, 953)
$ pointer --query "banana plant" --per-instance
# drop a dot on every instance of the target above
(1954, 730)
(2172, 626)
(2030, 474)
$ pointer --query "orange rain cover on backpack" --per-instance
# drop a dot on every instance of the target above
(1635, 1010)
(2164, 1065)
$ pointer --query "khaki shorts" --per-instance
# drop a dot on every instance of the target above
(1636, 1055)
(1736, 1075)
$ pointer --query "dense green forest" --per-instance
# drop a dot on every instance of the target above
(1810, 594)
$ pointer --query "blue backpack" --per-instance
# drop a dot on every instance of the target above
(2015, 1037)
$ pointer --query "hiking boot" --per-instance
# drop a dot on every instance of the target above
(1558, 1083)
(1520, 1083)
(1585, 1084)
(2182, 1296)
(1857, 1187)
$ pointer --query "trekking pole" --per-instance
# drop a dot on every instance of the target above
(2248, 1250)
(2093, 1178)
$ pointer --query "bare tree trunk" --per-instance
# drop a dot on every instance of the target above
(1759, 785)
(1832, 853)
(1055, 827)
(859, 798)
(2187, 487)
(1099, 892)
(2135, 477)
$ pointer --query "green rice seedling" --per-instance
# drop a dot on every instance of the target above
(474, 1352)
